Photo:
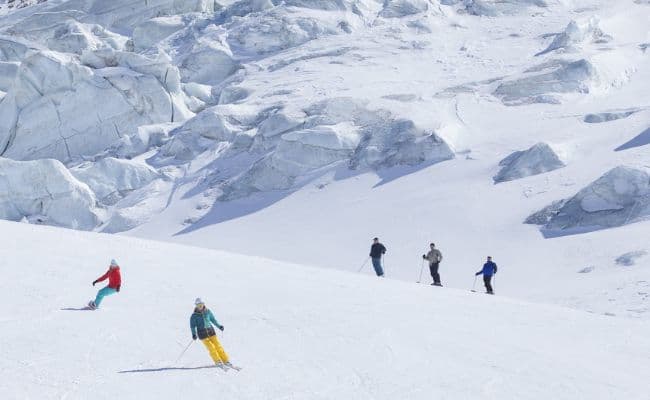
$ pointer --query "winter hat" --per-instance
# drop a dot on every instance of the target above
(198, 301)
(113, 263)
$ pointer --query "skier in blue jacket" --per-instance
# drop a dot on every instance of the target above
(489, 269)
(201, 323)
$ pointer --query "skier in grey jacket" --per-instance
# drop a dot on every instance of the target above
(434, 256)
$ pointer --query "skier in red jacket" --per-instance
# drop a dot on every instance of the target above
(114, 283)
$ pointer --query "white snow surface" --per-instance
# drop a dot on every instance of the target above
(297, 331)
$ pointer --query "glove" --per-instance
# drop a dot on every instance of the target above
(118, 288)
(94, 283)
(424, 256)
(221, 328)
(477, 274)
(193, 337)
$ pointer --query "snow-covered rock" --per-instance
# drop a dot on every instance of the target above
(401, 8)
(138, 207)
(125, 15)
(278, 29)
(630, 258)
(13, 48)
(152, 31)
(333, 132)
(598, 118)
(298, 153)
(494, 8)
(575, 34)
(209, 62)
(51, 110)
(146, 138)
(555, 78)
(75, 37)
(536, 160)
(619, 197)
(112, 178)
(8, 72)
(45, 190)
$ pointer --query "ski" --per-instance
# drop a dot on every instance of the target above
(236, 368)
(221, 367)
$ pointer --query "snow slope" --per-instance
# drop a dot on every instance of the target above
(298, 332)
(298, 130)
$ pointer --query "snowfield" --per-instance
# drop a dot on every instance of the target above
(297, 331)
(296, 131)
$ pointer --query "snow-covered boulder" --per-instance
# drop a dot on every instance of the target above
(629, 259)
(212, 123)
(619, 197)
(75, 37)
(201, 132)
(399, 142)
(52, 109)
(598, 118)
(277, 29)
(8, 72)
(152, 31)
(546, 80)
(401, 8)
(44, 190)
(209, 63)
(494, 8)
(298, 153)
(112, 178)
(337, 132)
(138, 207)
(575, 34)
(13, 49)
(536, 160)
(125, 15)
(146, 138)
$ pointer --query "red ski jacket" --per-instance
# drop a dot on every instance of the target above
(114, 278)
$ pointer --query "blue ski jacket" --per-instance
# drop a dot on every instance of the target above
(201, 323)
(489, 269)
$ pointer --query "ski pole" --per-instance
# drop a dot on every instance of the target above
(474, 284)
(421, 269)
(364, 264)
(188, 346)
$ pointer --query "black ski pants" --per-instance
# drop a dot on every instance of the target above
(433, 267)
(487, 279)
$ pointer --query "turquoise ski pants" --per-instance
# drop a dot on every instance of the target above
(102, 293)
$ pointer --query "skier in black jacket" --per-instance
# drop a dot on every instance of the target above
(377, 250)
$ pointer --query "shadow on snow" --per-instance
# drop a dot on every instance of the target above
(641, 139)
(223, 211)
(163, 369)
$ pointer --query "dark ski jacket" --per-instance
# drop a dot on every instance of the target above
(489, 269)
(201, 323)
(376, 250)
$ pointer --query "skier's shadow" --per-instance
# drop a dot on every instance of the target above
(76, 309)
(135, 371)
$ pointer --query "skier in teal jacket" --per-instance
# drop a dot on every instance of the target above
(201, 323)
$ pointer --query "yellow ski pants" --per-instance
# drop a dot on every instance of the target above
(214, 348)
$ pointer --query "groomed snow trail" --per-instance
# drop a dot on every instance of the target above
(299, 332)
